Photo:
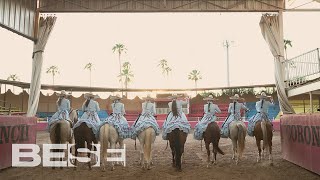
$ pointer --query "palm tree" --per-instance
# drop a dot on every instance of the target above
(127, 74)
(89, 67)
(164, 67)
(119, 48)
(13, 77)
(53, 70)
(194, 75)
(286, 44)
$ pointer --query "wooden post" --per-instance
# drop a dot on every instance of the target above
(311, 103)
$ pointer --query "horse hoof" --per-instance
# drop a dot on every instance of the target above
(151, 162)
(271, 164)
(112, 169)
(208, 165)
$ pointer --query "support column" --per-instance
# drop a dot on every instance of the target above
(281, 44)
(311, 103)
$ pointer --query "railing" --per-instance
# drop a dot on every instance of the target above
(303, 68)
(167, 110)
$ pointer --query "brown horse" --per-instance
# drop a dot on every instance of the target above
(212, 135)
(177, 139)
(263, 131)
(61, 131)
(83, 135)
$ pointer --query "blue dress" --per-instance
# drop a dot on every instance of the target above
(234, 115)
(90, 116)
(209, 116)
(172, 122)
(145, 120)
(62, 113)
(262, 113)
(118, 121)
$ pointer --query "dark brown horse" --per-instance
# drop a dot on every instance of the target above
(263, 131)
(83, 135)
(177, 139)
(212, 135)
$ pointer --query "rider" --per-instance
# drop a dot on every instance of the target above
(176, 118)
(234, 114)
(262, 107)
(90, 110)
(209, 116)
(146, 119)
(63, 106)
(117, 119)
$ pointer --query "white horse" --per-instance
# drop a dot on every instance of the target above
(108, 134)
(238, 132)
(146, 139)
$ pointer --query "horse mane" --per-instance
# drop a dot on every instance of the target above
(174, 108)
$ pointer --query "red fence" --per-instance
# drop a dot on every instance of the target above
(300, 140)
(15, 130)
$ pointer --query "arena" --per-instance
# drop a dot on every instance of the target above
(194, 167)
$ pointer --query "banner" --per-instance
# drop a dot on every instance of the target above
(15, 130)
(300, 140)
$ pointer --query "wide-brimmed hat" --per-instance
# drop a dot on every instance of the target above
(148, 97)
(62, 93)
(174, 96)
(91, 95)
(116, 97)
(235, 97)
(209, 98)
(263, 95)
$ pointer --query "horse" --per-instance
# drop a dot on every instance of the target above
(61, 131)
(177, 139)
(263, 131)
(83, 135)
(108, 134)
(212, 135)
(238, 132)
(146, 139)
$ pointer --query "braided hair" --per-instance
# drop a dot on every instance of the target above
(60, 100)
(174, 108)
(209, 106)
(87, 102)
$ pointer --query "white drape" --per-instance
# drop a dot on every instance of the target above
(45, 27)
(269, 25)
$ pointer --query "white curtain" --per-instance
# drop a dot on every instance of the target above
(45, 27)
(270, 29)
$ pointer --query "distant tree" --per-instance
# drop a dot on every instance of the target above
(53, 70)
(119, 48)
(89, 67)
(13, 77)
(127, 74)
(195, 76)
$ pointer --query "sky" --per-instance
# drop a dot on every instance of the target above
(186, 40)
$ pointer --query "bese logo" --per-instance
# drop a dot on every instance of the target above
(27, 155)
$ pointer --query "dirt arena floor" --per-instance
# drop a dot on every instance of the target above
(193, 168)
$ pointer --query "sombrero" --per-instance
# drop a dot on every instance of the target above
(210, 98)
(148, 97)
(62, 93)
(91, 95)
(263, 95)
(116, 97)
(235, 97)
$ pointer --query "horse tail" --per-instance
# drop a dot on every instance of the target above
(104, 136)
(147, 144)
(57, 133)
(264, 134)
(215, 137)
(241, 139)
(177, 147)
